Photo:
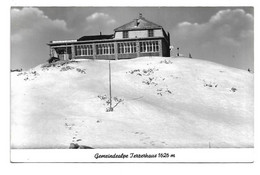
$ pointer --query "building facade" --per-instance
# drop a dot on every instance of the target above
(137, 38)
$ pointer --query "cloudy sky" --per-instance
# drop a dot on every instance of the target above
(223, 34)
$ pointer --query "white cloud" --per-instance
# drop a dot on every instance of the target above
(31, 29)
(29, 20)
(100, 17)
(183, 24)
(99, 22)
(228, 32)
(111, 21)
(96, 16)
(235, 24)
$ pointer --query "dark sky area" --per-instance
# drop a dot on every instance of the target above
(223, 35)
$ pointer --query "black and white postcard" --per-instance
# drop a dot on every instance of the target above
(132, 84)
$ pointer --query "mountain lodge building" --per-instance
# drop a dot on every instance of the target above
(137, 38)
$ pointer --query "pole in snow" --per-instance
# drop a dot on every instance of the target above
(110, 94)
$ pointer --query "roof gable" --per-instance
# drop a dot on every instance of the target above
(138, 24)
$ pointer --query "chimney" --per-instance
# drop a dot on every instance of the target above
(140, 15)
(136, 22)
(100, 33)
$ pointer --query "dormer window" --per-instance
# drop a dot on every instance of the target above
(125, 34)
(150, 33)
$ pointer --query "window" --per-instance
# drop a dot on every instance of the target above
(112, 51)
(105, 49)
(153, 43)
(119, 48)
(156, 46)
(134, 47)
(125, 34)
(83, 50)
(77, 48)
(149, 46)
(98, 49)
(150, 33)
(126, 47)
(91, 50)
(144, 47)
(131, 47)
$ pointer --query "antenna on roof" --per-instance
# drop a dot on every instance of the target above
(99, 29)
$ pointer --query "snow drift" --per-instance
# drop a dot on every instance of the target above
(158, 103)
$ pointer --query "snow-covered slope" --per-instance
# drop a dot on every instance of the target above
(160, 103)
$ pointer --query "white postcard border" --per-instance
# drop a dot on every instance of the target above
(213, 155)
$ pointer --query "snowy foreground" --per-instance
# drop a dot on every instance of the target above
(160, 103)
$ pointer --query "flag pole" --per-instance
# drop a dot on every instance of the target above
(110, 93)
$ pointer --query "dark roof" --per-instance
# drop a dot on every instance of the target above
(138, 24)
(95, 37)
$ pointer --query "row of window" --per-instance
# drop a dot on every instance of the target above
(149, 46)
(105, 49)
(123, 48)
(126, 47)
(83, 50)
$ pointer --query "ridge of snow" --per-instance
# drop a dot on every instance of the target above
(166, 103)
